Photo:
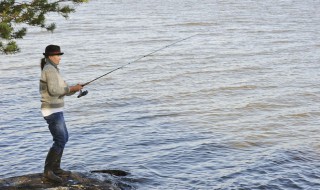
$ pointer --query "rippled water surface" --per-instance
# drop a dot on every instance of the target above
(234, 107)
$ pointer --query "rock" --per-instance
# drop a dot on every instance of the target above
(37, 182)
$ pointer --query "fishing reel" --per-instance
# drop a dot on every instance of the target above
(82, 93)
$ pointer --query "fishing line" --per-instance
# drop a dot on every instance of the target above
(83, 93)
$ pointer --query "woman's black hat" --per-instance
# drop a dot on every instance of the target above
(52, 50)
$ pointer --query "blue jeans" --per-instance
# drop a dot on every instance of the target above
(58, 129)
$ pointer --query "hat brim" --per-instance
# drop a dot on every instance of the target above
(50, 54)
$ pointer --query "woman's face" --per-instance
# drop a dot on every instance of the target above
(55, 59)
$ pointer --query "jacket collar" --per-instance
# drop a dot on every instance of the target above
(48, 61)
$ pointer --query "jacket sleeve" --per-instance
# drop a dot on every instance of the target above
(70, 93)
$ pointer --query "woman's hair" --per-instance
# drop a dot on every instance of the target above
(43, 62)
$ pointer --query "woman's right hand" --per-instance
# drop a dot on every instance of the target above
(76, 88)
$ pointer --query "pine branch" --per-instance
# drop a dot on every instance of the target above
(31, 13)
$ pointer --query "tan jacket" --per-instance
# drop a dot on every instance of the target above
(52, 87)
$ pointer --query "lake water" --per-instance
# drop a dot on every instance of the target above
(234, 107)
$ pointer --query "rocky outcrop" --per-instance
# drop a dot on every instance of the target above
(75, 181)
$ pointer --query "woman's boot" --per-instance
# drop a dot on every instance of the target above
(51, 159)
(56, 168)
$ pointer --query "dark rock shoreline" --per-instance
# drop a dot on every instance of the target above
(75, 181)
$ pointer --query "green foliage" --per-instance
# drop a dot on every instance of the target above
(32, 13)
(11, 47)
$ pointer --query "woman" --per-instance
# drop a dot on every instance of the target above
(53, 89)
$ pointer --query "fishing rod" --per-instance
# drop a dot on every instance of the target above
(83, 93)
